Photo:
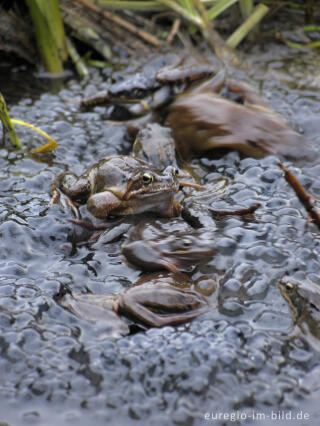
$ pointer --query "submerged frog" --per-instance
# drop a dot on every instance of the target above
(156, 300)
(202, 120)
(173, 245)
(154, 144)
(303, 297)
(123, 185)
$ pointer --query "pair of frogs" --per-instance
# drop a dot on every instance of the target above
(123, 185)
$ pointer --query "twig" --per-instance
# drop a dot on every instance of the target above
(119, 21)
(90, 22)
(83, 30)
(174, 30)
(240, 212)
(306, 200)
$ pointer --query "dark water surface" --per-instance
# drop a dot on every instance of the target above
(59, 369)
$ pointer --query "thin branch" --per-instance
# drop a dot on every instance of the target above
(306, 200)
(121, 22)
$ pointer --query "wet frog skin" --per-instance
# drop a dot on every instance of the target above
(156, 300)
(202, 120)
(303, 296)
(174, 246)
(123, 185)
(155, 145)
(151, 89)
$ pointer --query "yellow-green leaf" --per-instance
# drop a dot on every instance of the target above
(48, 147)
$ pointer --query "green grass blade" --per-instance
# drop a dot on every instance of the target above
(246, 7)
(152, 6)
(8, 128)
(76, 59)
(308, 28)
(49, 30)
(194, 18)
(219, 7)
(244, 29)
(311, 45)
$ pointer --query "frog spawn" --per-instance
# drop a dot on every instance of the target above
(138, 302)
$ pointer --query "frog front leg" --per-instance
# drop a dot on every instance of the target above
(102, 203)
(213, 85)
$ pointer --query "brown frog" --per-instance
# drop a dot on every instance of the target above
(122, 185)
(155, 300)
(155, 145)
(173, 245)
(303, 296)
(140, 92)
(202, 120)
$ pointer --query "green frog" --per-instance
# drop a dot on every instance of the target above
(156, 300)
(171, 245)
(202, 120)
(303, 296)
(122, 185)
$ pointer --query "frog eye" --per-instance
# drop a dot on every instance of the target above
(289, 286)
(175, 171)
(186, 243)
(147, 178)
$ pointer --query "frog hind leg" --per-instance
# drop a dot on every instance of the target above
(251, 147)
(150, 318)
(145, 309)
(249, 94)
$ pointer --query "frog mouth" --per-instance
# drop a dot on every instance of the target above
(150, 192)
(189, 255)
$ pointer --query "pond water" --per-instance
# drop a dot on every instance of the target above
(240, 359)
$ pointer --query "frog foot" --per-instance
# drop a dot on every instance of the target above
(57, 195)
(191, 185)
